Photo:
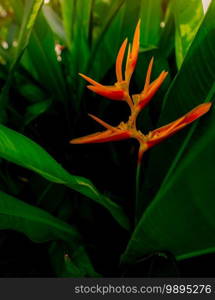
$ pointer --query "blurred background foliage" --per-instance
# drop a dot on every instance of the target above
(80, 226)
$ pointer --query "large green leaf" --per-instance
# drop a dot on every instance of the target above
(180, 217)
(30, 14)
(36, 223)
(150, 15)
(77, 22)
(19, 149)
(188, 17)
(67, 19)
(40, 226)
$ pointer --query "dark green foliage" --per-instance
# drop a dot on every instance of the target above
(87, 225)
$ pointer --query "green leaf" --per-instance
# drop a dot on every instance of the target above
(20, 150)
(108, 41)
(31, 11)
(150, 15)
(41, 52)
(32, 93)
(35, 110)
(68, 15)
(180, 217)
(37, 224)
(167, 34)
(4, 55)
(40, 226)
(188, 17)
(77, 22)
(54, 22)
(69, 263)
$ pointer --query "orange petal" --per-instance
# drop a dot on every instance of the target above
(166, 131)
(128, 57)
(148, 75)
(145, 97)
(104, 124)
(90, 80)
(119, 61)
(197, 112)
(136, 44)
(92, 138)
(102, 137)
(133, 54)
(111, 92)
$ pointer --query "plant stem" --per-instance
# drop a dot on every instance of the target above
(137, 192)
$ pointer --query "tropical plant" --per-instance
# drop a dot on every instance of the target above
(83, 206)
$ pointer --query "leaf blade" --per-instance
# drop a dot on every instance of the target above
(37, 224)
(20, 150)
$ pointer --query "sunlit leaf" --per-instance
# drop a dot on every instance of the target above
(30, 14)
(54, 22)
(188, 17)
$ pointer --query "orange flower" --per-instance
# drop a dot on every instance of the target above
(120, 91)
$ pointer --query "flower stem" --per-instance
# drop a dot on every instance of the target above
(137, 192)
(129, 101)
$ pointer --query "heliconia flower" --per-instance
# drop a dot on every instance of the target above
(142, 99)
(120, 91)
(158, 135)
